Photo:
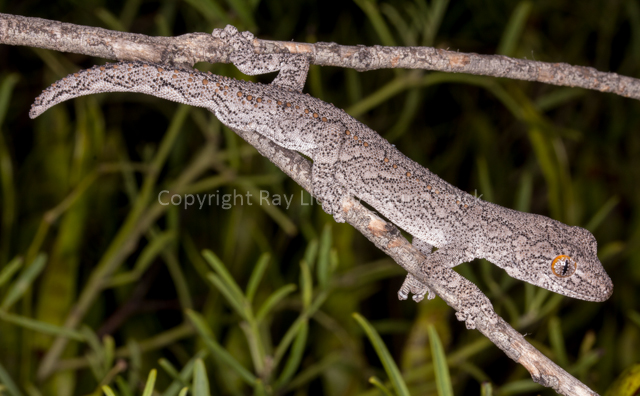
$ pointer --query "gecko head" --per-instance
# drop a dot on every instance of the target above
(562, 259)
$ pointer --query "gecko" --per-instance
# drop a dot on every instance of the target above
(448, 225)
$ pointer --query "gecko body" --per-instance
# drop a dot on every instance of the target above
(351, 159)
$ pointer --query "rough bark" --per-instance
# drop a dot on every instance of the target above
(188, 49)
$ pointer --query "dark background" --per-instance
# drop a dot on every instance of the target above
(567, 153)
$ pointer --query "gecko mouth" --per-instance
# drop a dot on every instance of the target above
(597, 290)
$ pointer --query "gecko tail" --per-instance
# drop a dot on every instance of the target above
(182, 86)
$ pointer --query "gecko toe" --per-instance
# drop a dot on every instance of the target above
(418, 297)
(412, 285)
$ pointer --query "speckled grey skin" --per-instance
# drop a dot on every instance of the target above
(351, 159)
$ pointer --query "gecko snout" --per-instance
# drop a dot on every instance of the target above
(606, 288)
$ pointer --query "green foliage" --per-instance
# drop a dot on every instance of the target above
(627, 384)
(389, 365)
(443, 381)
(102, 281)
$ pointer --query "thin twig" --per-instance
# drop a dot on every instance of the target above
(188, 49)
(196, 47)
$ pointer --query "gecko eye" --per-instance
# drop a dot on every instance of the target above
(563, 266)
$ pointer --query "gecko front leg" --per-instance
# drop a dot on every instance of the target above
(470, 303)
(293, 67)
(411, 285)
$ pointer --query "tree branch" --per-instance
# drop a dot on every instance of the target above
(189, 49)
(388, 239)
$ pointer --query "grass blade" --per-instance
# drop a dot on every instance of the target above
(182, 381)
(295, 327)
(244, 12)
(236, 302)
(295, 356)
(557, 341)
(259, 389)
(311, 252)
(370, 8)
(23, 282)
(108, 391)
(220, 269)
(256, 275)
(10, 269)
(200, 380)
(375, 381)
(627, 384)
(635, 317)
(273, 300)
(217, 350)
(168, 367)
(602, 213)
(435, 17)
(7, 381)
(385, 357)
(151, 382)
(513, 31)
(6, 89)
(210, 10)
(313, 371)
(306, 284)
(324, 255)
(41, 327)
(148, 255)
(441, 370)
(486, 389)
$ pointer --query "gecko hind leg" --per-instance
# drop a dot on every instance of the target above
(327, 191)
(411, 285)
(293, 67)
(327, 174)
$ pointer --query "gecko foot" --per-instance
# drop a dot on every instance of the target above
(330, 194)
(411, 285)
(475, 307)
(334, 209)
(239, 41)
(243, 55)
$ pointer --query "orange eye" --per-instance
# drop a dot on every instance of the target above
(563, 266)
